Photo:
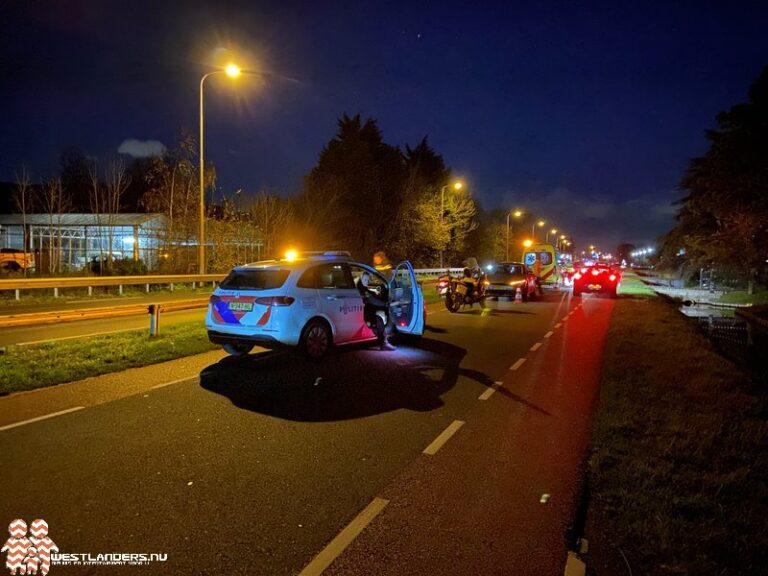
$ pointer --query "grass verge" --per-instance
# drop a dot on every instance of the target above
(37, 366)
(632, 285)
(679, 463)
(741, 297)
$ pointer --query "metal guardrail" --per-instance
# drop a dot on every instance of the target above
(18, 284)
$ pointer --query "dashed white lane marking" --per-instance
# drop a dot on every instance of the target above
(517, 364)
(564, 319)
(39, 418)
(179, 381)
(548, 334)
(344, 538)
(558, 325)
(489, 392)
(444, 436)
(535, 346)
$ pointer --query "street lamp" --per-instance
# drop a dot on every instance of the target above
(233, 71)
(540, 224)
(516, 214)
(456, 186)
(553, 231)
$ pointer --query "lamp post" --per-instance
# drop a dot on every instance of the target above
(232, 71)
(516, 214)
(540, 224)
(456, 186)
(553, 231)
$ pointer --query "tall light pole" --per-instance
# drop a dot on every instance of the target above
(232, 71)
(553, 231)
(455, 186)
(540, 224)
(516, 214)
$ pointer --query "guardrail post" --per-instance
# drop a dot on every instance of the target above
(90, 290)
(154, 319)
(16, 292)
(171, 286)
(55, 292)
(194, 285)
(146, 286)
(120, 289)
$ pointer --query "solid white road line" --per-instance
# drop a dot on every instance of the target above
(179, 381)
(548, 334)
(558, 325)
(517, 364)
(336, 546)
(535, 346)
(489, 391)
(444, 436)
(39, 418)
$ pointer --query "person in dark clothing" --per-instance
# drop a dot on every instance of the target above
(375, 311)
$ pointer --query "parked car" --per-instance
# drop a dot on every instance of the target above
(12, 260)
(597, 277)
(505, 278)
(310, 301)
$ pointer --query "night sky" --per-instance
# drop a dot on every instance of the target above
(585, 116)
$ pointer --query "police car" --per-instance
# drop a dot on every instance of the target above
(310, 301)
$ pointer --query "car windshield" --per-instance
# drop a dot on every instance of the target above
(246, 279)
(516, 269)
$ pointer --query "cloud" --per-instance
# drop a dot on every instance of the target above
(141, 148)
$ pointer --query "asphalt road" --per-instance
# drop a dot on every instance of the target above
(255, 466)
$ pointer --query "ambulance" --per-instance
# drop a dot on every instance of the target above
(548, 258)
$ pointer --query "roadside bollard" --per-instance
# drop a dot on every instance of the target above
(154, 319)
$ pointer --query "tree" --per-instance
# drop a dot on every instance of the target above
(270, 215)
(361, 177)
(25, 200)
(172, 189)
(723, 219)
(56, 202)
(74, 173)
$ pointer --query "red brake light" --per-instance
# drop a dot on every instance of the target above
(275, 300)
(577, 275)
(583, 270)
(595, 272)
(612, 277)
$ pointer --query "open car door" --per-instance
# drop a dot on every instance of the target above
(406, 302)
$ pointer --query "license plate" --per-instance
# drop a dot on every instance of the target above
(241, 306)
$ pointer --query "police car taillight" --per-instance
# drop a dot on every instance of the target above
(275, 300)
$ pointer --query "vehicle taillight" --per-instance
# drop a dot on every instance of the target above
(576, 275)
(612, 277)
(275, 301)
(583, 270)
(595, 272)
(442, 283)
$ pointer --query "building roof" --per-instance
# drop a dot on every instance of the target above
(135, 219)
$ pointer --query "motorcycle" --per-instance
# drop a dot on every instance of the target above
(457, 293)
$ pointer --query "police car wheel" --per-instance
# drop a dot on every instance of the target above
(316, 341)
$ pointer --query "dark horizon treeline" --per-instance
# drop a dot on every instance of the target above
(722, 222)
(363, 195)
